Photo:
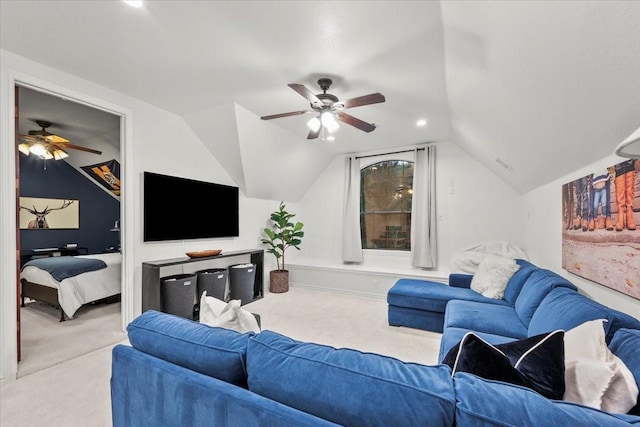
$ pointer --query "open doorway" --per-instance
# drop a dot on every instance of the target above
(94, 322)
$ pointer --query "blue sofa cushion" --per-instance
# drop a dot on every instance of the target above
(431, 296)
(481, 317)
(566, 309)
(517, 281)
(483, 402)
(147, 391)
(626, 345)
(216, 352)
(535, 362)
(349, 387)
(536, 287)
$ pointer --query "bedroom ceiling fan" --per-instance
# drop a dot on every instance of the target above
(48, 145)
(329, 110)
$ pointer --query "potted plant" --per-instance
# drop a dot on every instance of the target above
(282, 235)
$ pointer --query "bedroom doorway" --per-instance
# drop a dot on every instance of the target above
(42, 340)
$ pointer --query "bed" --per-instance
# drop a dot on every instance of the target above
(70, 293)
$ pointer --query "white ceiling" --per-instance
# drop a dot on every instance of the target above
(546, 87)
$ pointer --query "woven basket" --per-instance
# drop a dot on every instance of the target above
(278, 281)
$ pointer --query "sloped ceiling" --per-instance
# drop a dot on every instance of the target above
(544, 87)
(82, 125)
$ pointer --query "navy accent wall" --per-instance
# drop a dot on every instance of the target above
(98, 210)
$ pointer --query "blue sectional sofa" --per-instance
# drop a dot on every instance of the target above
(178, 372)
(535, 301)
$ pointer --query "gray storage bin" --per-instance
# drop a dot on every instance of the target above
(179, 294)
(242, 278)
(214, 281)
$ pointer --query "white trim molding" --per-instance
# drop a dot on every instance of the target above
(9, 78)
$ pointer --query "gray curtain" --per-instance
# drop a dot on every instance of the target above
(351, 236)
(423, 209)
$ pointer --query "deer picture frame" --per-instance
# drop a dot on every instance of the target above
(45, 214)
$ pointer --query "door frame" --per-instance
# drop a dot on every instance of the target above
(9, 78)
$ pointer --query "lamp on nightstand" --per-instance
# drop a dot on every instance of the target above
(116, 228)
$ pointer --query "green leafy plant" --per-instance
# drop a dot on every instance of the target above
(282, 235)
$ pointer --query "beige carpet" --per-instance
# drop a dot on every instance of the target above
(344, 320)
(76, 392)
(47, 342)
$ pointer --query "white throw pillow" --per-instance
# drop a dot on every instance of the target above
(586, 341)
(594, 376)
(214, 312)
(492, 276)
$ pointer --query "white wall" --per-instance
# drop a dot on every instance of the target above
(482, 207)
(160, 142)
(543, 237)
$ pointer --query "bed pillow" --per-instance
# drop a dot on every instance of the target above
(492, 276)
(536, 362)
(594, 376)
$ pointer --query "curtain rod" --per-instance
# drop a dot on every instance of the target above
(387, 154)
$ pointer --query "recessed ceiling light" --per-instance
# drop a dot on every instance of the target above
(133, 3)
(331, 138)
(421, 122)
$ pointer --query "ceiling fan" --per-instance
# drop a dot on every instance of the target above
(329, 108)
(48, 145)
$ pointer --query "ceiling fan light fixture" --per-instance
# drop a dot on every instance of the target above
(38, 149)
(314, 124)
(329, 122)
(24, 148)
(59, 154)
(47, 155)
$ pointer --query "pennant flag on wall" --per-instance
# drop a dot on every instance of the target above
(107, 174)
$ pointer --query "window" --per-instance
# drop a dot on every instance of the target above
(386, 191)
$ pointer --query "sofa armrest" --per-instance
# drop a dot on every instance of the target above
(459, 280)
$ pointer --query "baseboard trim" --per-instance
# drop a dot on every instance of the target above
(357, 280)
(339, 291)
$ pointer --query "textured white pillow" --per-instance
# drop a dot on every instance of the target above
(492, 276)
(594, 376)
(214, 312)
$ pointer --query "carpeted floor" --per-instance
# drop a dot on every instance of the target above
(47, 342)
(76, 392)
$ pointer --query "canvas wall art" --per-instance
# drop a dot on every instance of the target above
(107, 174)
(43, 214)
(601, 227)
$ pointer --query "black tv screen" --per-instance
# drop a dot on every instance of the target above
(180, 208)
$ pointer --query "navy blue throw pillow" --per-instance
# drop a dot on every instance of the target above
(536, 362)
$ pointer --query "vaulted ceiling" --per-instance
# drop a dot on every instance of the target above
(533, 90)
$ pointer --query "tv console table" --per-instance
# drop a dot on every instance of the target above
(151, 298)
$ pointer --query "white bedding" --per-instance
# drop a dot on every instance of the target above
(83, 288)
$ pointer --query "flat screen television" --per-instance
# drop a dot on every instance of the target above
(180, 208)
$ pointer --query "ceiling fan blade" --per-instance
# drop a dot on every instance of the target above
(293, 113)
(55, 138)
(306, 92)
(64, 146)
(314, 135)
(30, 138)
(372, 98)
(350, 120)
(43, 138)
